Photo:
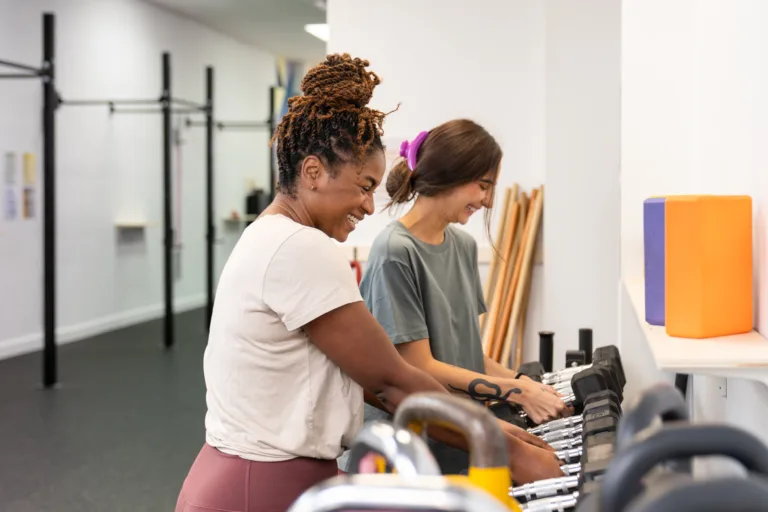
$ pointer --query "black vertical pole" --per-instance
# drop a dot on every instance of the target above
(167, 207)
(49, 201)
(272, 170)
(546, 347)
(211, 228)
(585, 343)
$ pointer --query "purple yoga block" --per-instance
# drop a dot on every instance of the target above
(653, 242)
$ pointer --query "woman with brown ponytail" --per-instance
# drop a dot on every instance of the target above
(422, 283)
(292, 347)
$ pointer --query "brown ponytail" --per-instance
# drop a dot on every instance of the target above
(399, 183)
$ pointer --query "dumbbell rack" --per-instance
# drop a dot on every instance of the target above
(584, 442)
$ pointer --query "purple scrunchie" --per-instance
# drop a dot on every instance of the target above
(409, 150)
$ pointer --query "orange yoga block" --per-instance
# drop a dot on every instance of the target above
(708, 289)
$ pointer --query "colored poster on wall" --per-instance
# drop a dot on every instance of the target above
(10, 188)
(30, 181)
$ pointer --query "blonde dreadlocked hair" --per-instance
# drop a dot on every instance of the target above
(331, 120)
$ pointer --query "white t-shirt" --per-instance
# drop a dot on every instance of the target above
(271, 393)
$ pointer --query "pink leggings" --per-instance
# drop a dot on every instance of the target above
(221, 482)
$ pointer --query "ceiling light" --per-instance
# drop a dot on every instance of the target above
(319, 30)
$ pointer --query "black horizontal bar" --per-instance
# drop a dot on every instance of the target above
(9, 64)
(232, 125)
(149, 111)
(188, 103)
(18, 75)
(110, 102)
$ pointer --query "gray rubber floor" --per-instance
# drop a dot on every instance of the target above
(120, 432)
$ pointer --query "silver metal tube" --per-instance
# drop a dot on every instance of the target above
(570, 421)
(545, 488)
(487, 442)
(405, 451)
(554, 504)
(563, 433)
(570, 455)
(567, 444)
(569, 372)
(392, 492)
(571, 469)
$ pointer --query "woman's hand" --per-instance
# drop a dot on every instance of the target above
(524, 435)
(542, 403)
(529, 463)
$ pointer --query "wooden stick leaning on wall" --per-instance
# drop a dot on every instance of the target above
(501, 285)
(510, 194)
(513, 277)
(525, 276)
(520, 332)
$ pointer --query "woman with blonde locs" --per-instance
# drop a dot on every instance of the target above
(422, 280)
(292, 351)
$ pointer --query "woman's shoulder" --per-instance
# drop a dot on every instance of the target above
(393, 243)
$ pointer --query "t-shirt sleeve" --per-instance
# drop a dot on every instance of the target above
(308, 277)
(479, 294)
(393, 297)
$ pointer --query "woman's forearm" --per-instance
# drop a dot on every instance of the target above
(495, 369)
(476, 385)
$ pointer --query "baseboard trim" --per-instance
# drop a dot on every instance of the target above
(70, 333)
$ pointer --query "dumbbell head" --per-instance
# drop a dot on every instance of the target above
(609, 354)
(534, 370)
(575, 358)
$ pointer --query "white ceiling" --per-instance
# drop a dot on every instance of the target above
(276, 26)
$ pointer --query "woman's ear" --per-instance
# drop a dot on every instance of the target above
(311, 171)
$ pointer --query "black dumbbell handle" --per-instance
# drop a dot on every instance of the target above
(724, 494)
(660, 401)
(622, 479)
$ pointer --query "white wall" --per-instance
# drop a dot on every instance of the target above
(695, 120)
(517, 68)
(110, 168)
(583, 137)
(441, 61)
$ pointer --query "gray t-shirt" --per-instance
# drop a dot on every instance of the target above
(418, 290)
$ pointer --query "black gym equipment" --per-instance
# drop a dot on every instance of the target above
(51, 102)
(622, 482)
(748, 494)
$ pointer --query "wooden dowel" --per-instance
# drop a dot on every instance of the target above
(511, 283)
(530, 244)
(493, 311)
(490, 284)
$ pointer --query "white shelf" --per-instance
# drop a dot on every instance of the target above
(131, 224)
(741, 355)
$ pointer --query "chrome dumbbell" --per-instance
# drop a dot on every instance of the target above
(570, 455)
(570, 421)
(545, 488)
(562, 375)
(563, 433)
(567, 444)
(553, 504)
(571, 469)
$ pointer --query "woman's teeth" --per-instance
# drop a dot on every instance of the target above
(354, 220)
(471, 209)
